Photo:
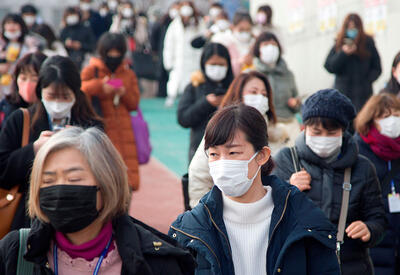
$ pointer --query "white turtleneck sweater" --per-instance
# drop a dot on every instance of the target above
(248, 225)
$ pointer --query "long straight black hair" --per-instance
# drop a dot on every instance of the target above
(217, 49)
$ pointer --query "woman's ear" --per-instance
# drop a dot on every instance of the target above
(263, 155)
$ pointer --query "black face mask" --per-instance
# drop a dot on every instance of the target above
(113, 62)
(70, 208)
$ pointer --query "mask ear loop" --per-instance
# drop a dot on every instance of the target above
(259, 166)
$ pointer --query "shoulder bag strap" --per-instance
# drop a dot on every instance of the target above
(25, 129)
(23, 266)
(344, 208)
(295, 159)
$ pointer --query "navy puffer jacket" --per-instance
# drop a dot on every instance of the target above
(299, 234)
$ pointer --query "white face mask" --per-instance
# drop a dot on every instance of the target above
(223, 25)
(173, 13)
(29, 19)
(231, 176)
(103, 12)
(260, 102)
(58, 110)
(112, 5)
(186, 11)
(214, 12)
(390, 126)
(72, 19)
(269, 54)
(244, 37)
(127, 12)
(216, 72)
(324, 146)
(85, 6)
(12, 35)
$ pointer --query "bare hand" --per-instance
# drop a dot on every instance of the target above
(301, 180)
(349, 49)
(358, 230)
(76, 45)
(107, 88)
(120, 91)
(43, 138)
(214, 100)
(293, 102)
(68, 43)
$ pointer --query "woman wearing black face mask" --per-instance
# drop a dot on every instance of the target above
(110, 79)
(79, 199)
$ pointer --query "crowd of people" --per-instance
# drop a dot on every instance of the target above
(274, 182)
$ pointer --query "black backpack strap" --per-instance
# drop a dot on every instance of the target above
(23, 266)
(295, 158)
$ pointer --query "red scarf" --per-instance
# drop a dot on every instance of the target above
(384, 147)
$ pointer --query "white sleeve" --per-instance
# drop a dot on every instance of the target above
(169, 47)
(200, 180)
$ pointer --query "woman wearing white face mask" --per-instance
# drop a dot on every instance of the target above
(77, 38)
(378, 138)
(250, 222)
(325, 149)
(180, 58)
(238, 41)
(268, 60)
(205, 92)
(60, 103)
(13, 45)
(252, 89)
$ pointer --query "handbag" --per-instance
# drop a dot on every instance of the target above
(142, 137)
(145, 64)
(10, 199)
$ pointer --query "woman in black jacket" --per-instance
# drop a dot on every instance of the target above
(79, 198)
(378, 137)
(355, 61)
(205, 92)
(78, 39)
(393, 86)
(325, 149)
(61, 103)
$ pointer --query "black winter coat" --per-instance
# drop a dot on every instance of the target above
(16, 162)
(7, 108)
(365, 204)
(84, 35)
(194, 111)
(355, 75)
(384, 254)
(135, 243)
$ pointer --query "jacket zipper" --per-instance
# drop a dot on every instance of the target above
(280, 219)
(197, 238)
(223, 234)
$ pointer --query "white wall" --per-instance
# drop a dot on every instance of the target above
(306, 52)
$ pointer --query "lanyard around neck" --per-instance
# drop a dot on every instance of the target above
(96, 270)
(393, 188)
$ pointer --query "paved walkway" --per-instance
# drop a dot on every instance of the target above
(159, 199)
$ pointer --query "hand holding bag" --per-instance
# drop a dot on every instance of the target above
(10, 199)
(142, 137)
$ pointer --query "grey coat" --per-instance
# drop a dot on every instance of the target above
(282, 84)
(365, 204)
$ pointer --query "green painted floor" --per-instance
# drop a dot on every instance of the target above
(169, 140)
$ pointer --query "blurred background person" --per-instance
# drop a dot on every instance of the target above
(30, 15)
(78, 39)
(180, 58)
(52, 46)
(354, 61)
(393, 86)
(252, 89)
(13, 46)
(109, 78)
(91, 18)
(204, 94)
(267, 52)
(239, 41)
(214, 11)
(378, 138)
(23, 87)
(157, 38)
(263, 22)
(106, 14)
(60, 103)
